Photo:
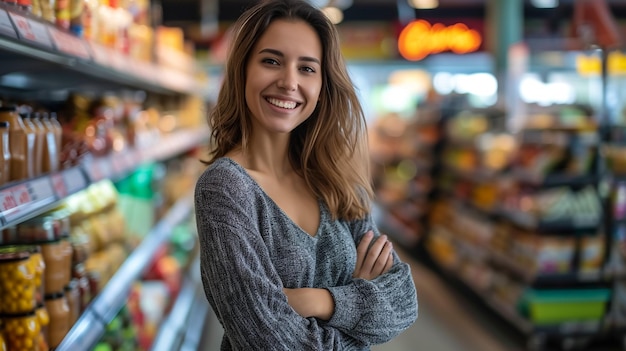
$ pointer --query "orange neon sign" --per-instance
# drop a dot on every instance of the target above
(420, 39)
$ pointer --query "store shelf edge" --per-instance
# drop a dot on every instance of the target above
(45, 192)
(89, 66)
(114, 296)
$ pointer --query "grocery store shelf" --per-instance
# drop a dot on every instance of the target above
(553, 180)
(562, 225)
(88, 330)
(22, 200)
(44, 59)
(185, 321)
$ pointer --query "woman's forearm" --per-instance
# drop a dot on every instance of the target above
(311, 302)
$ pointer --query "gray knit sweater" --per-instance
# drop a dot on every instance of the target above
(250, 250)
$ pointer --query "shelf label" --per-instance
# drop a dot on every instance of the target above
(68, 182)
(23, 194)
(31, 30)
(8, 204)
(58, 184)
(69, 44)
(98, 169)
(24, 198)
(6, 26)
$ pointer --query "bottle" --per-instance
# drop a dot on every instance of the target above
(51, 158)
(36, 127)
(21, 144)
(5, 154)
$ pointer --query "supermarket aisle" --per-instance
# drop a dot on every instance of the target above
(446, 322)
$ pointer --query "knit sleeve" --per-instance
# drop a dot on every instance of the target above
(240, 281)
(375, 311)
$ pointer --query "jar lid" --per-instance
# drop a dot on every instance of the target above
(14, 253)
(54, 296)
(28, 314)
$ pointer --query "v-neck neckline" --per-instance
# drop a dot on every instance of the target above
(322, 210)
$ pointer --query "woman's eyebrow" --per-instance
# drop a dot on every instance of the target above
(279, 53)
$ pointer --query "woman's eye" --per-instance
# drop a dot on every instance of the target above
(308, 69)
(270, 61)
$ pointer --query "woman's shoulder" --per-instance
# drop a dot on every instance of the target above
(225, 172)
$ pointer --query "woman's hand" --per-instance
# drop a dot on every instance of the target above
(375, 260)
(311, 302)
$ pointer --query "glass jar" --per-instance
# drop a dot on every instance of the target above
(21, 331)
(59, 312)
(17, 281)
(44, 320)
(5, 153)
(72, 294)
(82, 279)
(39, 268)
(57, 256)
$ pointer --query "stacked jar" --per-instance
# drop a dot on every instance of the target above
(18, 303)
(49, 232)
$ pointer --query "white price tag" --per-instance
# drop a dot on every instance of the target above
(6, 26)
(8, 205)
(31, 30)
(74, 180)
(23, 194)
(69, 44)
(58, 184)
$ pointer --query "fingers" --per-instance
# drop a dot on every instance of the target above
(380, 265)
(361, 250)
(375, 260)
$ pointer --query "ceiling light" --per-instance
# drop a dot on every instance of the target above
(424, 4)
(545, 4)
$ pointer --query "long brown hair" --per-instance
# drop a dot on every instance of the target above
(329, 149)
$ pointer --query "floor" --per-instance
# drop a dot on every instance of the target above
(448, 321)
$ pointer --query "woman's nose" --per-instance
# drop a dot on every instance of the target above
(288, 80)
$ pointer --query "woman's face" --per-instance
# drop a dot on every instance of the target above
(284, 76)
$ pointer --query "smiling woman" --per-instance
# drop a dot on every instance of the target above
(290, 256)
(284, 77)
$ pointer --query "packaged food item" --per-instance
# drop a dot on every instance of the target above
(17, 281)
(59, 312)
(21, 331)
(39, 129)
(5, 153)
(39, 266)
(44, 320)
(21, 144)
(58, 258)
(51, 146)
(72, 294)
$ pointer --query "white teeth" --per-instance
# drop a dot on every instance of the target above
(282, 104)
